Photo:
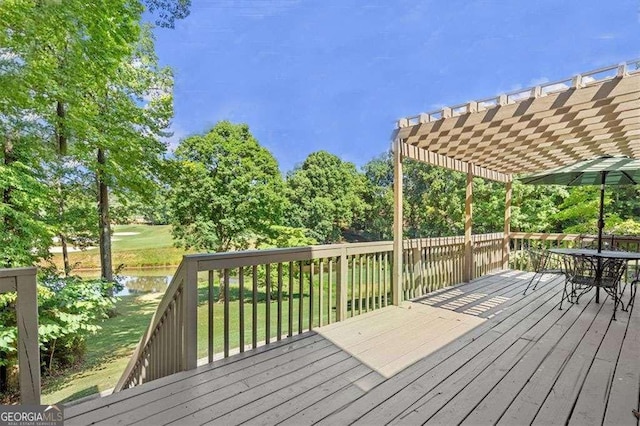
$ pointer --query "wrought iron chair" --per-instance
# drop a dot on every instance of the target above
(542, 262)
(582, 276)
(633, 289)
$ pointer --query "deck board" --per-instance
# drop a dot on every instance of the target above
(521, 360)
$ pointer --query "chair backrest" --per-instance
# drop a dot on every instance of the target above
(580, 269)
(537, 259)
(612, 272)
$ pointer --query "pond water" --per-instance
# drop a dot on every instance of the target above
(140, 281)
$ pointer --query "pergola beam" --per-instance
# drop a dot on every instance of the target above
(421, 154)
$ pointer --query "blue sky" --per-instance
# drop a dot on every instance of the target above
(309, 75)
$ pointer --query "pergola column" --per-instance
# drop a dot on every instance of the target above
(397, 223)
(507, 227)
(468, 220)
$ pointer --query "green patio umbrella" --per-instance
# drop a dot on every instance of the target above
(606, 170)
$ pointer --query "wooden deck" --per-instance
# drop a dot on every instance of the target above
(479, 353)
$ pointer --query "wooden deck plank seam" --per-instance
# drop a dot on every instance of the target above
(540, 293)
(611, 378)
(335, 369)
(522, 355)
(637, 407)
(72, 411)
(339, 381)
(568, 360)
(411, 380)
(229, 396)
(109, 413)
(555, 341)
(489, 358)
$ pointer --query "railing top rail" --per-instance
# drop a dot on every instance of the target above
(17, 272)
(319, 250)
(208, 261)
(570, 237)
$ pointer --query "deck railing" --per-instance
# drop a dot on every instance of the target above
(521, 241)
(434, 263)
(23, 282)
(255, 297)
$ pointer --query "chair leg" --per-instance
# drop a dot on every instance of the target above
(530, 282)
(565, 293)
(632, 297)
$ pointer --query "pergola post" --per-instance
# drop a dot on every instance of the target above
(397, 223)
(507, 226)
(468, 218)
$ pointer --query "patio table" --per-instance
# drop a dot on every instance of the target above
(604, 254)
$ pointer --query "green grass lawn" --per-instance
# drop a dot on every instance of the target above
(150, 246)
(108, 352)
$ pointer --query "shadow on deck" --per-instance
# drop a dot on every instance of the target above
(478, 353)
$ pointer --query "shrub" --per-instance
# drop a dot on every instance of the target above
(68, 310)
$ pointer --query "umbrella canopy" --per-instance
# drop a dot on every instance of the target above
(616, 170)
(601, 171)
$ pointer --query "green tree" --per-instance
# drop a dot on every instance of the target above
(122, 145)
(226, 190)
(325, 196)
(377, 220)
(534, 207)
(87, 74)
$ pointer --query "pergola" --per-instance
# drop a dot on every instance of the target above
(539, 128)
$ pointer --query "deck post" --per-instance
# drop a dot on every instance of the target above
(396, 281)
(190, 316)
(342, 285)
(507, 226)
(28, 346)
(468, 219)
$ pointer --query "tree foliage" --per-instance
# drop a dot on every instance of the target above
(325, 196)
(226, 190)
(68, 310)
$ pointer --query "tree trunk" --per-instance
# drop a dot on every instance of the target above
(61, 140)
(65, 254)
(61, 136)
(8, 158)
(103, 215)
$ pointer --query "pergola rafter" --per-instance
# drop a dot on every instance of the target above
(530, 130)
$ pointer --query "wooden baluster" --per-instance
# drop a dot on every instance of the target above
(290, 311)
(360, 275)
(320, 292)
(311, 272)
(279, 301)
(210, 317)
(300, 297)
(254, 308)
(367, 282)
(267, 305)
(241, 307)
(226, 319)
(329, 292)
(353, 286)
